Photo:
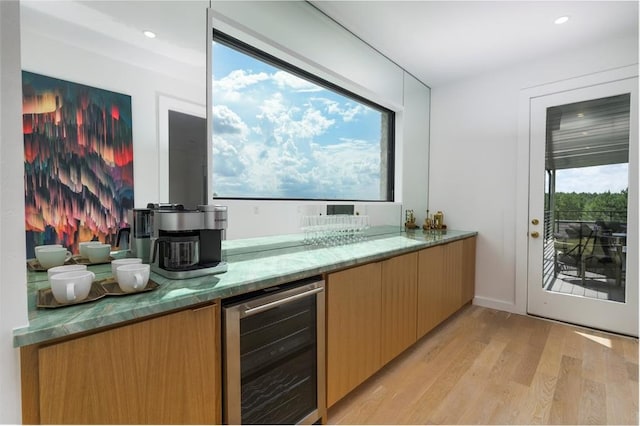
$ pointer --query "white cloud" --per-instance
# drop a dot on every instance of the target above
(277, 156)
(313, 123)
(598, 179)
(257, 130)
(239, 79)
(285, 170)
(286, 124)
(229, 88)
(289, 167)
(348, 112)
(349, 167)
(227, 161)
(286, 80)
(225, 121)
(272, 108)
(267, 167)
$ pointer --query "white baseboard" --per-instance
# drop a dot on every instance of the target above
(500, 305)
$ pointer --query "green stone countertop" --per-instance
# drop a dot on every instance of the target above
(253, 264)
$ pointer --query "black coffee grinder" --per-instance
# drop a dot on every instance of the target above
(187, 243)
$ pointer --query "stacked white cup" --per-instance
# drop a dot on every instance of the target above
(52, 255)
(131, 274)
(70, 283)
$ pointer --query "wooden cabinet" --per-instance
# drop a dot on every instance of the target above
(430, 295)
(371, 318)
(353, 328)
(446, 278)
(163, 370)
(166, 369)
(378, 310)
(399, 288)
(452, 284)
(468, 270)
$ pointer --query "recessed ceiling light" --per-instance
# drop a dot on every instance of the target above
(149, 34)
(561, 20)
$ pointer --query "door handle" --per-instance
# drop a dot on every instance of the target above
(535, 234)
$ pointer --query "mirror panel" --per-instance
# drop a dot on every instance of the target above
(100, 44)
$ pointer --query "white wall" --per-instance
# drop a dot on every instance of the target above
(13, 292)
(474, 153)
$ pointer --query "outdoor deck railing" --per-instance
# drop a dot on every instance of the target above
(563, 218)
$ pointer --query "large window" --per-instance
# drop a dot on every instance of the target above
(282, 133)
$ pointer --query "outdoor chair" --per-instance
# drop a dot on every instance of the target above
(603, 257)
(569, 248)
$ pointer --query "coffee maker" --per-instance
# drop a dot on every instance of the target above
(187, 243)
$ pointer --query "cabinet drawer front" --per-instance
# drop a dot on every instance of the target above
(161, 370)
(452, 276)
(431, 308)
(353, 328)
(399, 290)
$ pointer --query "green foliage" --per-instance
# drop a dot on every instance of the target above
(591, 206)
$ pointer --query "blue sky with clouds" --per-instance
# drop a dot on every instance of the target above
(278, 136)
(613, 178)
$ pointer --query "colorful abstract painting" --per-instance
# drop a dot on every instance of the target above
(78, 166)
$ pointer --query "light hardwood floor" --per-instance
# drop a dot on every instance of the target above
(489, 367)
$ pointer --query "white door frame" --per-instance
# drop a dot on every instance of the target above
(522, 178)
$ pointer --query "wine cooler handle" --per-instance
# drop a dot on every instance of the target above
(267, 306)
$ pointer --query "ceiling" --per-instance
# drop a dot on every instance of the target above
(442, 41)
(436, 41)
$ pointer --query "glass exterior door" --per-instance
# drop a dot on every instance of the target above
(583, 183)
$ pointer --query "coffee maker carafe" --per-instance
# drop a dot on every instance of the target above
(188, 243)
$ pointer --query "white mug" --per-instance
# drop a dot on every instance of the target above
(133, 277)
(82, 247)
(115, 264)
(65, 268)
(98, 253)
(71, 286)
(52, 256)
